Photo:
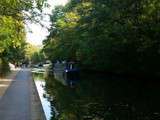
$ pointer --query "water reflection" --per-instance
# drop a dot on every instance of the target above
(103, 98)
(44, 97)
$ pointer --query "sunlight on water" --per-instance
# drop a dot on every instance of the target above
(94, 98)
(45, 103)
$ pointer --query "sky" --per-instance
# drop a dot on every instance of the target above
(35, 33)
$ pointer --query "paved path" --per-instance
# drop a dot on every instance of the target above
(6, 81)
(16, 102)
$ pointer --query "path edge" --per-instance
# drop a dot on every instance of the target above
(37, 112)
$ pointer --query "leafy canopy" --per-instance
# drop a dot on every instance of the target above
(111, 35)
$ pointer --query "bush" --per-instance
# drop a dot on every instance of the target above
(4, 67)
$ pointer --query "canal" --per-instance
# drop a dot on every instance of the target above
(99, 97)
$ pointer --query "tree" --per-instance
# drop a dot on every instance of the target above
(118, 36)
(13, 15)
(34, 54)
(37, 57)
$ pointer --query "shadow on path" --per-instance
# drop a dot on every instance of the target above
(16, 102)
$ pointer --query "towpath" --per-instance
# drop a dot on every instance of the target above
(21, 100)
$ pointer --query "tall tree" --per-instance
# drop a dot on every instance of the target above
(110, 35)
(13, 14)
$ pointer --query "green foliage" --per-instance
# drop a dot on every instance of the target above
(13, 15)
(12, 39)
(21, 9)
(4, 67)
(117, 35)
(37, 57)
(34, 54)
(30, 50)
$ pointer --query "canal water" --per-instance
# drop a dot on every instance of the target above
(100, 98)
(44, 96)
